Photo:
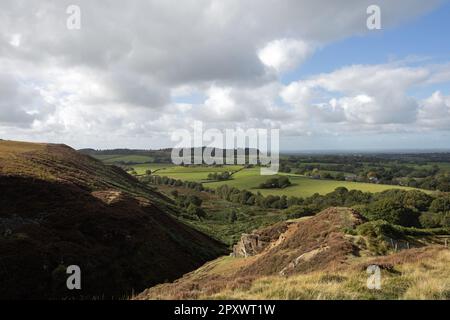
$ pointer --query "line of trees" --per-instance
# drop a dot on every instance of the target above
(190, 203)
(219, 176)
(163, 180)
(379, 171)
(406, 208)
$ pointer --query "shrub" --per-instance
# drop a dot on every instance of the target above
(440, 204)
(233, 217)
(194, 210)
(219, 176)
(278, 182)
(392, 211)
(430, 220)
(297, 211)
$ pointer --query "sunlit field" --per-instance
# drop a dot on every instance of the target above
(250, 179)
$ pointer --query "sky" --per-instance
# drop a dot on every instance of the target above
(136, 71)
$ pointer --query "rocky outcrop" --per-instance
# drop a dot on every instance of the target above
(315, 243)
(255, 242)
(249, 245)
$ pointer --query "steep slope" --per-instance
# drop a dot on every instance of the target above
(61, 208)
(310, 244)
(310, 258)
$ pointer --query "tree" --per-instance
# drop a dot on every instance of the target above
(443, 183)
(340, 176)
(430, 220)
(392, 211)
(148, 172)
(283, 202)
(194, 200)
(283, 182)
(233, 216)
(297, 211)
(417, 200)
(372, 175)
(441, 204)
(193, 210)
(279, 182)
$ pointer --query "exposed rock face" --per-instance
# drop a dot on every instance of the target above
(249, 245)
(255, 242)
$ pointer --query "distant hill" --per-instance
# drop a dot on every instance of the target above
(135, 156)
(59, 207)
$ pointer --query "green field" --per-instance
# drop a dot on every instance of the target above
(191, 173)
(301, 186)
(251, 178)
(154, 167)
(444, 166)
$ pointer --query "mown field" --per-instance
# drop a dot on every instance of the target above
(301, 186)
(191, 173)
(250, 179)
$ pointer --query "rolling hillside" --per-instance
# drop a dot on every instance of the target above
(320, 257)
(60, 208)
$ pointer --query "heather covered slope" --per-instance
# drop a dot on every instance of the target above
(60, 163)
(58, 208)
(320, 257)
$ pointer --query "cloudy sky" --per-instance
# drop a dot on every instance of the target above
(137, 70)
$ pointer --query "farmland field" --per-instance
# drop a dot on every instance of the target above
(301, 186)
(250, 178)
(191, 173)
(154, 167)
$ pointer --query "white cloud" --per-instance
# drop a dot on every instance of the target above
(435, 112)
(15, 39)
(284, 54)
(372, 95)
(220, 105)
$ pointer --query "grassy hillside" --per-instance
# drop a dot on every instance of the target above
(59, 208)
(60, 163)
(321, 257)
(418, 274)
(216, 221)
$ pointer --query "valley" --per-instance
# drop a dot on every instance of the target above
(142, 228)
(315, 237)
(225, 150)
